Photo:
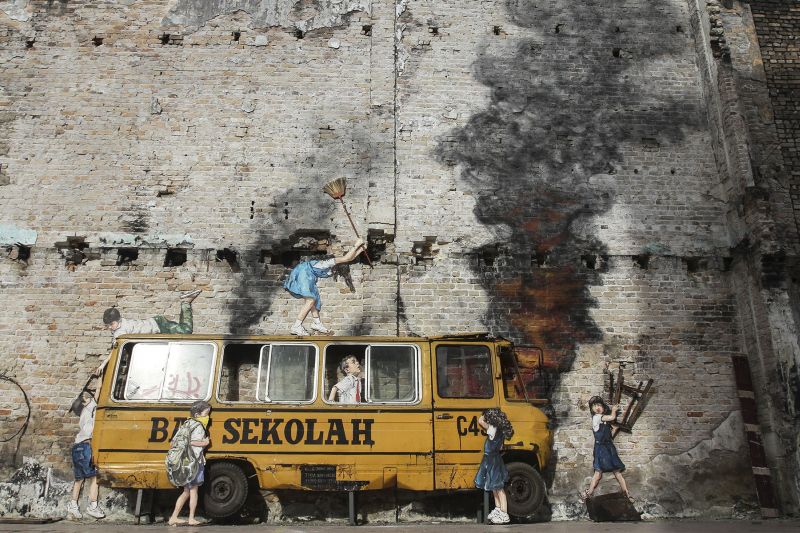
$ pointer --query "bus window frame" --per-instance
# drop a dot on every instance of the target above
(365, 366)
(491, 347)
(219, 373)
(269, 364)
(169, 342)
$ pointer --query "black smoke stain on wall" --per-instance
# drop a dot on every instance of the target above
(563, 108)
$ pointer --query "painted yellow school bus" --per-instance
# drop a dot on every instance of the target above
(273, 425)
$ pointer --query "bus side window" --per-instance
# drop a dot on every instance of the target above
(238, 377)
(463, 371)
(334, 354)
(288, 373)
(392, 374)
(165, 371)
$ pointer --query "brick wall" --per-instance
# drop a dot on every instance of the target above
(556, 174)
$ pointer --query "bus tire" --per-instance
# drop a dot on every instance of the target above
(225, 490)
(525, 489)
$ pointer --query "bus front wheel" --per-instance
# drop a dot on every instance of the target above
(525, 489)
(225, 490)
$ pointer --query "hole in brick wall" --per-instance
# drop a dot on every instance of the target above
(366, 29)
(231, 257)
(125, 256)
(497, 30)
(164, 38)
(641, 261)
(558, 28)
(97, 41)
(692, 264)
(617, 29)
(423, 250)
(29, 43)
(175, 257)
(727, 264)
(19, 252)
(650, 143)
(589, 261)
(539, 259)
(488, 255)
(635, 170)
(678, 29)
(672, 171)
(377, 240)
(73, 251)
(252, 209)
(298, 34)
(236, 36)
(303, 244)
(616, 52)
(773, 271)
(433, 30)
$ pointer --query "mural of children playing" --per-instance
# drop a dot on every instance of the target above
(492, 473)
(302, 283)
(349, 387)
(606, 458)
(158, 324)
(84, 407)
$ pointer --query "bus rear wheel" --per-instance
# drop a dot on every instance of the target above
(525, 489)
(225, 490)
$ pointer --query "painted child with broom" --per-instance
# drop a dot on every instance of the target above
(302, 283)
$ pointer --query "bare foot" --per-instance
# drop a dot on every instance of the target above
(176, 521)
(193, 522)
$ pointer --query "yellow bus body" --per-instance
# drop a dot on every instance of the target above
(430, 442)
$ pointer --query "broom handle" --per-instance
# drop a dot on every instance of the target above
(346, 212)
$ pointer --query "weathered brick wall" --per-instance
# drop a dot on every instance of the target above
(557, 174)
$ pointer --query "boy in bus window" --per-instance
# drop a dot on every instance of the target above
(348, 388)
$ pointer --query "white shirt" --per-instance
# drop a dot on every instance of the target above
(198, 434)
(347, 388)
(86, 422)
(325, 264)
(596, 421)
(128, 325)
(491, 431)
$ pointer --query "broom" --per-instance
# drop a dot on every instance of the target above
(336, 189)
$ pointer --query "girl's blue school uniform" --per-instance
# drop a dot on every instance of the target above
(302, 281)
(606, 458)
(492, 473)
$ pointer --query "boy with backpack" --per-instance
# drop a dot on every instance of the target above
(185, 461)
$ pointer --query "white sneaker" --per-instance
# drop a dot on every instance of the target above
(317, 325)
(298, 330)
(95, 511)
(500, 518)
(73, 511)
(493, 513)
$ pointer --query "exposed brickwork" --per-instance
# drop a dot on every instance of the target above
(777, 24)
(574, 175)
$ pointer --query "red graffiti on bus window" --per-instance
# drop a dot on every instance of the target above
(192, 389)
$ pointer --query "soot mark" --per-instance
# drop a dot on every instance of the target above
(555, 118)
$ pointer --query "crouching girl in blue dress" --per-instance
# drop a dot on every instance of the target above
(606, 458)
(492, 473)
(302, 283)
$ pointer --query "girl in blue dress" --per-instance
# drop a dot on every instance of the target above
(492, 473)
(302, 283)
(606, 458)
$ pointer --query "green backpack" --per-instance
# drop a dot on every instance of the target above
(182, 462)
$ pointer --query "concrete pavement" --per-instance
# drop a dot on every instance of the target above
(676, 526)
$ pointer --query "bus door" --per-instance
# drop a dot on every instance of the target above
(463, 386)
